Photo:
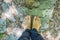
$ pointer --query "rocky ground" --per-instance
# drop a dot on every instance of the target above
(47, 10)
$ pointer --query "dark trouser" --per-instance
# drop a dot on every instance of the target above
(31, 34)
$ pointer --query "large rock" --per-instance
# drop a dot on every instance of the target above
(2, 26)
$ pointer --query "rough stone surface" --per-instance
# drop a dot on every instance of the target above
(47, 10)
